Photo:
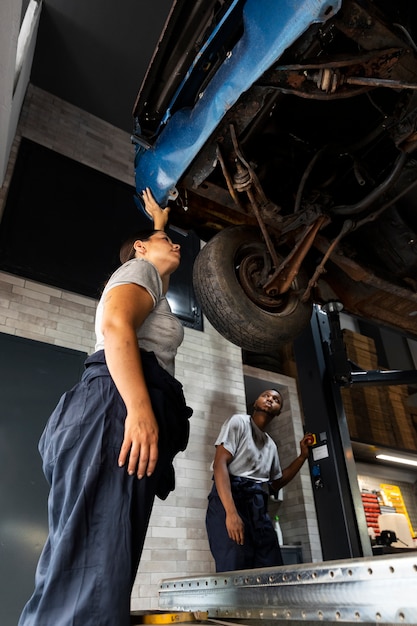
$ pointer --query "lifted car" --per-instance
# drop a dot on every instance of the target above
(283, 133)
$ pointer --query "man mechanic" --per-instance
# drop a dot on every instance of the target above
(240, 531)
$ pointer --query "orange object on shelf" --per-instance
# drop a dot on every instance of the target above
(372, 510)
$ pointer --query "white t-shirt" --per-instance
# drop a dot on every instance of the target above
(254, 452)
(161, 332)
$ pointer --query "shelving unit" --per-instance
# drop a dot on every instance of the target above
(372, 510)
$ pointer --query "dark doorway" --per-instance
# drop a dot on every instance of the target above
(33, 376)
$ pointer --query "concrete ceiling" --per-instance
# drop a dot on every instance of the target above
(91, 53)
(94, 53)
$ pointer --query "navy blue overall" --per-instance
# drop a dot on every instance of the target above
(98, 515)
(261, 547)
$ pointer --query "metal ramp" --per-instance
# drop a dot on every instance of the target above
(378, 590)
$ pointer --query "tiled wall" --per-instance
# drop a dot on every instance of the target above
(43, 313)
(176, 545)
(209, 367)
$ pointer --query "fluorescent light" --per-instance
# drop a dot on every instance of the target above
(396, 459)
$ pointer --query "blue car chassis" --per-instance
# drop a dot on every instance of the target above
(269, 28)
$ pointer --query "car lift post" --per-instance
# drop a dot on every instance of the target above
(323, 367)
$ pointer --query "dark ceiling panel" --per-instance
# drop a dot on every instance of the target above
(94, 53)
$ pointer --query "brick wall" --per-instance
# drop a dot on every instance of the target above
(43, 313)
(209, 367)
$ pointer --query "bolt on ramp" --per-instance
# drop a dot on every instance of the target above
(377, 590)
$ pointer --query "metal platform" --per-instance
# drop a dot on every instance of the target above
(377, 590)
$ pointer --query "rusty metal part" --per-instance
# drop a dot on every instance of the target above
(286, 272)
(246, 174)
(369, 296)
(341, 77)
(363, 25)
(330, 81)
(227, 177)
(366, 295)
(359, 273)
(246, 180)
(346, 228)
(269, 244)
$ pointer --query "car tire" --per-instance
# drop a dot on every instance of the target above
(225, 275)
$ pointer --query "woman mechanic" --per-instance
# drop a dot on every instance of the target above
(108, 447)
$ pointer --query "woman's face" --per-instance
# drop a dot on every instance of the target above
(161, 251)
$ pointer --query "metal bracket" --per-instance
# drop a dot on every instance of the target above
(345, 372)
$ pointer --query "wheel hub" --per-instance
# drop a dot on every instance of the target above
(252, 277)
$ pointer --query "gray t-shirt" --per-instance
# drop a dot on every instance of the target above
(254, 452)
(161, 332)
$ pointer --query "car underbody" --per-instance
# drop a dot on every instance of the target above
(305, 184)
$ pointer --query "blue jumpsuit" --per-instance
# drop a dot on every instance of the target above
(98, 514)
(261, 547)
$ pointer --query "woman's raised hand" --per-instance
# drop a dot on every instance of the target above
(157, 213)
